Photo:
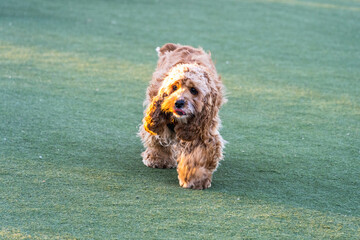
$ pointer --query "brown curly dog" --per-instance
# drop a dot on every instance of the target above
(181, 123)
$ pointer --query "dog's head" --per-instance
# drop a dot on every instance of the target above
(186, 90)
(193, 96)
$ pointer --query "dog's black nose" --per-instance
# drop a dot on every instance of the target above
(179, 103)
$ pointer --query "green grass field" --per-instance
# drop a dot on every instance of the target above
(73, 76)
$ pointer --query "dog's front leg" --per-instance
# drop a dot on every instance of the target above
(195, 167)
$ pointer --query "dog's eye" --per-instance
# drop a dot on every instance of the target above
(193, 91)
(174, 87)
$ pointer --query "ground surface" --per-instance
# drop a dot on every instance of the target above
(73, 76)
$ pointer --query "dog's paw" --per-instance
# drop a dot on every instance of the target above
(194, 178)
(160, 164)
(197, 185)
(155, 159)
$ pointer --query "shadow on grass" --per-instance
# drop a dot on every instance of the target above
(247, 178)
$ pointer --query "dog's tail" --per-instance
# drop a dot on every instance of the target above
(158, 51)
(169, 47)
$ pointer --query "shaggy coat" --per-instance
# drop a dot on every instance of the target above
(181, 123)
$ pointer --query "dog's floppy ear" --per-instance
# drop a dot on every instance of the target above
(155, 119)
(169, 47)
(204, 118)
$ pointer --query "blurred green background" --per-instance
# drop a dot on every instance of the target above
(73, 76)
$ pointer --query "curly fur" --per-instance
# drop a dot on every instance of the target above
(188, 137)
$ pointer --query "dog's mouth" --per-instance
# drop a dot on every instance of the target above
(179, 112)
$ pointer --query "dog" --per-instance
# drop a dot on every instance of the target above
(181, 124)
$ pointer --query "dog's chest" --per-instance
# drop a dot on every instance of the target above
(171, 127)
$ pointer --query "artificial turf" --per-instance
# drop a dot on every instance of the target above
(73, 76)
